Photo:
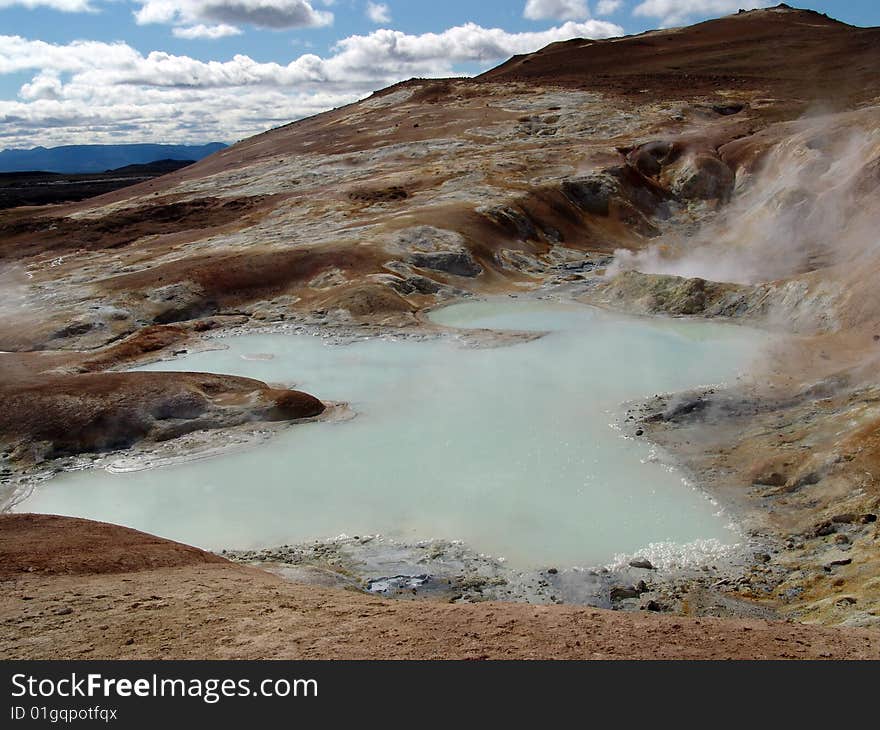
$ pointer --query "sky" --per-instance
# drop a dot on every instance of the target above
(196, 71)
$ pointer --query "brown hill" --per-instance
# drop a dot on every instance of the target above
(794, 54)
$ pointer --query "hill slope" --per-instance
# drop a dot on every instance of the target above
(798, 55)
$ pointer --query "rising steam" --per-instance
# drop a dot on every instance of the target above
(811, 204)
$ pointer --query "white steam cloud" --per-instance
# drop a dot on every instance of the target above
(806, 207)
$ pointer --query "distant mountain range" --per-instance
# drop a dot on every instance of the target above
(97, 157)
(45, 188)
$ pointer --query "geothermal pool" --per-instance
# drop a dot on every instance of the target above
(510, 449)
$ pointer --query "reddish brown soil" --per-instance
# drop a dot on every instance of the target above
(245, 276)
(751, 50)
(87, 590)
(70, 414)
(25, 236)
(142, 342)
(50, 545)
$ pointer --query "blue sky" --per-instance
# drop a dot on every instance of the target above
(73, 71)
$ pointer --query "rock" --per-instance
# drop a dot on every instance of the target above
(423, 285)
(294, 404)
(823, 529)
(515, 222)
(179, 302)
(457, 263)
(519, 261)
(845, 518)
(328, 279)
(365, 299)
(553, 571)
(702, 177)
(74, 329)
(726, 110)
(686, 407)
(64, 611)
(762, 558)
(591, 193)
(426, 239)
(649, 159)
(838, 562)
(807, 480)
(653, 293)
(621, 593)
(642, 563)
(770, 479)
(378, 195)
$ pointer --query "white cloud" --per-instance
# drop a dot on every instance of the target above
(45, 85)
(259, 13)
(607, 7)
(95, 91)
(556, 10)
(205, 31)
(66, 6)
(676, 12)
(379, 12)
(19, 54)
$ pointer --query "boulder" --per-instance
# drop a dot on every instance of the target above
(642, 563)
(457, 263)
(592, 193)
(701, 176)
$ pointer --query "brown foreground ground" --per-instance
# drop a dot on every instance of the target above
(86, 590)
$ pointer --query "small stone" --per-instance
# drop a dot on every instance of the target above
(770, 479)
(64, 611)
(553, 571)
(621, 593)
(642, 563)
(835, 563)
(640, 432)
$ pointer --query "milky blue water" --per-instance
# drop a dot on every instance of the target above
(510, 449)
